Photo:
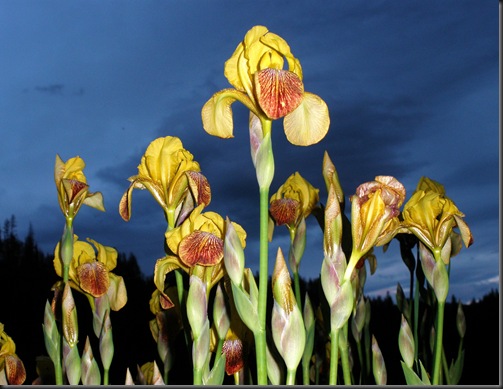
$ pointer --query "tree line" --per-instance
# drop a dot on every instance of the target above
(27, 275)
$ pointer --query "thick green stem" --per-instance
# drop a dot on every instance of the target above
(346, 369)
(260, 335)
(105, 377)
(437, 358)
(334, 356)
(305, 373)
(290, 376)
(58, 373)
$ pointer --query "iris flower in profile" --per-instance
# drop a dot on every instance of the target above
(260, 82)
(72, 187)
(170, 174)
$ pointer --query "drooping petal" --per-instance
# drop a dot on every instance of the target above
(16, 373)
(309, 123)
(93, 277)
(233, 350)
(201, 248)
(200, 187)
(279, 92)
(95, 200)
(217, 114)
(284, 211)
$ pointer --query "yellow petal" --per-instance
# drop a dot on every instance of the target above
(309, 123)
(95, 200)
(217, 114)
(279, 92)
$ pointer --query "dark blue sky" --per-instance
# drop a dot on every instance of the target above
(412, 89)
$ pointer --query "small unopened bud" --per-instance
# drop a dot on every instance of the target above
(129, 378)
(233, 254)
(378, 365)
(220, 314)
(406, 343)
(52, 337)
(90, 370)
(196, 305)
(460, 321)
(106, 342)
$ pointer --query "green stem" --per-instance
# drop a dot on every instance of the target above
(58, 373)
(105, 377)
(416, 320)
(260, 339)
(360, 358)
(346, 369)
(305, 372)
(198, 376)
(445, 369)
(334, 356)
(296, 282)
(438, 342)
(290, 376)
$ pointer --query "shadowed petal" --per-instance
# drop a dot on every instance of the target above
(93, 277)
(284, 211)
(233, 350)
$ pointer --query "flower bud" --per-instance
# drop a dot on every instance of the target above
(106, 342)
(196, 306)
(287, 325)
(52, 337)
(460, 321)
(71, 359)
(234, 259)
(90, 370)
(378, 365)
(70, 322)
(406, 343)
(264, 165)
(220, 315)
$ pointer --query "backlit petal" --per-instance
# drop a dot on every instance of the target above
(279, 92)
(202, 248)
(309, 123)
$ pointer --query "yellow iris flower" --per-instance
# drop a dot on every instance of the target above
(295, 199)
(431, 216)
(169, 172)
(72, 187)
(197, 247)
(255, 70)
(15, 372)
(90, 271)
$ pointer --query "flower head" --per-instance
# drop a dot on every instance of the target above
(72, 187)
(170, 174)
(9, 361)
(294, 200)
(431, 216)
(256, 71)
(90, 271)
(374, 216)
(197, 246)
